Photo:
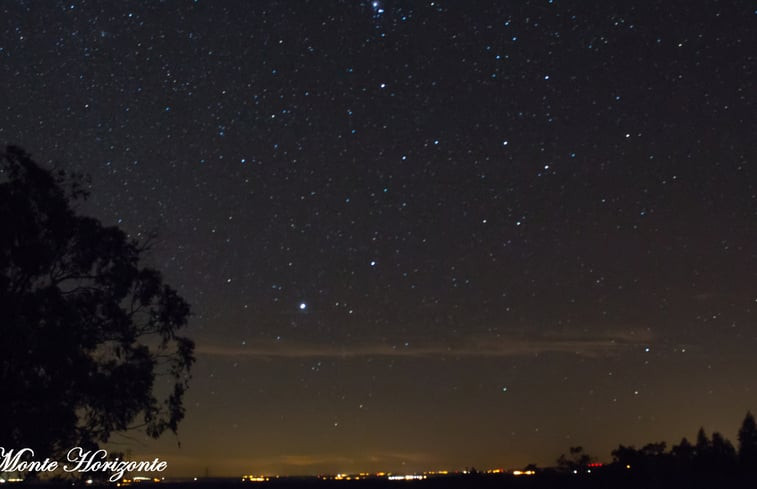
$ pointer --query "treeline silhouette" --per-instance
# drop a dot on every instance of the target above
(697, 464)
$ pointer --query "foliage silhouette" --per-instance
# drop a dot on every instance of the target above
(89, 337)
(578, 460)
(748, 443)
(723, 454)
(683, 454)
(709, 461)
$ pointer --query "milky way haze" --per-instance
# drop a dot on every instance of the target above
(419, 235)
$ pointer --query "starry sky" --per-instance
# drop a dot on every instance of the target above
(419, 235)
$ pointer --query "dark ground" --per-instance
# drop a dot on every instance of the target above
(545, 479)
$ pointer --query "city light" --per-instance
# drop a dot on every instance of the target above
(408, 477)
(255, 478)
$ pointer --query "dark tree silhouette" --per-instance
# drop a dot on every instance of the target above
(626, 456)
(703, 444)
(650, 459)
(722, 449)
(683, 453)
(711, 462)
(716, 454)
(723, 453)
(89, 337)
(578, 459)
(654, 449)
(748, 443)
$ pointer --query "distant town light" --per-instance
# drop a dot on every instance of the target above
(254, 478)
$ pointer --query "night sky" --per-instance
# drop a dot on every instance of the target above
(419, 235)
